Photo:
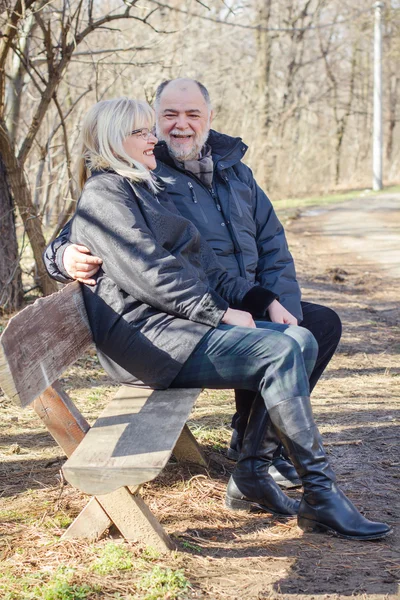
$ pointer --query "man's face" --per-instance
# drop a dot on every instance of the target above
(183, 119)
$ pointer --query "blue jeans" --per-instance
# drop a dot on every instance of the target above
(274, 359)
(326, 327)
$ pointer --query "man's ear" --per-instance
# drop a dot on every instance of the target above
(211, 115)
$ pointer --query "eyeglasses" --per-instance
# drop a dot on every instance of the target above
(143, 131)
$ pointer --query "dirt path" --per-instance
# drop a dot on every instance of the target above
(362, 233)
(347, 257)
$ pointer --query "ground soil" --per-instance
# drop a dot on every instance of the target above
(348, 257)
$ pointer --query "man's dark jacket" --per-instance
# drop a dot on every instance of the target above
(235, 217)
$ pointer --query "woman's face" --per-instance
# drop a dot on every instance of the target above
(139, 145)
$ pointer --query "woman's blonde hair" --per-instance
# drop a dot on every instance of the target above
(105, 127)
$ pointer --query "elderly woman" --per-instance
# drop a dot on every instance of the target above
(162, 315)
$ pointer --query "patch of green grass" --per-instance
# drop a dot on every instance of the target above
(62, 590)
(38, 586)
(96, 395)
(160, 583)
(191, 546)
(326, 199)
(112, 557)
(212, 436)
(62, 521)
(15, 516)
(150, 553)
(16, 588)
(61, 587)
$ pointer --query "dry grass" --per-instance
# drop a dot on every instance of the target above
(223, 554)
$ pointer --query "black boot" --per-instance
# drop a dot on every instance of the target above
(324, 507)
(281, 469)
(238, 424)
(250, 486)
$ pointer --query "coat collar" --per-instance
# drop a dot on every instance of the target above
(226, 150)
(141, 185)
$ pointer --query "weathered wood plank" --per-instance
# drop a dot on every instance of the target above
(90, 524)
(131, 441)
(6, 379)
(61, 417)
(188, 450)
(68, 427)
(134, 519)
(41, 341)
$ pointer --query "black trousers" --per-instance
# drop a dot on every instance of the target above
(326, 327)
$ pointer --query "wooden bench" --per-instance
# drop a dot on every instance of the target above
(129, 444)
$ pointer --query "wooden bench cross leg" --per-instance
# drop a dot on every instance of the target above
(102, 511)
(123, 507)
(127, 511)
(129, 444)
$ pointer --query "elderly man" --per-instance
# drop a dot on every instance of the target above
(212, 187)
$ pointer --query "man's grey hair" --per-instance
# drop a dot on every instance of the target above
(164, 84)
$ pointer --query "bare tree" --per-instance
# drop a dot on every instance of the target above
(60, 28)
(392, 75)
(10, 273)
(293, 78)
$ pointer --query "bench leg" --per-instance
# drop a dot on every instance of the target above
(188, 450)
(90, 524)
(128, 512)
(134, 519)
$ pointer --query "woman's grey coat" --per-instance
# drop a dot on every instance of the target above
(160, 288)
(236, 218)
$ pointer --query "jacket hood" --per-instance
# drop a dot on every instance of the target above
(226, 150)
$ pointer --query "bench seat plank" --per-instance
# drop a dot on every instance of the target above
(131, 441)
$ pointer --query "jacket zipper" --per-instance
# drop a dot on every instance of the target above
(216, 199)
(233, 192)
(236, 245)
(195, 201)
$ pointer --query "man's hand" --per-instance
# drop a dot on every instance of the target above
(80, 264)
(279, 314)
(238, 317)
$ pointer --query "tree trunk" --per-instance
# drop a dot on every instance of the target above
(393, 95)
(30, 218)
(11, 295)
(263, 63)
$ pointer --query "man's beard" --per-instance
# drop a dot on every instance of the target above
(182, 153)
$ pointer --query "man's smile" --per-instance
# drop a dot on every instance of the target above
(181, 136)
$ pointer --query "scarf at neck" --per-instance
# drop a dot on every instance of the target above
(202, 167)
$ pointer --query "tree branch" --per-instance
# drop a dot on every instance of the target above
(66, 146)
(5, 43)
(111, 50)
(56, 69)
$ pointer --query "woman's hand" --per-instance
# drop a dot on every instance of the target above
(80, 264)
(279, 314)
(238, 317)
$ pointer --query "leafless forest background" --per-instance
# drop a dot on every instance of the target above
(293, 78)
